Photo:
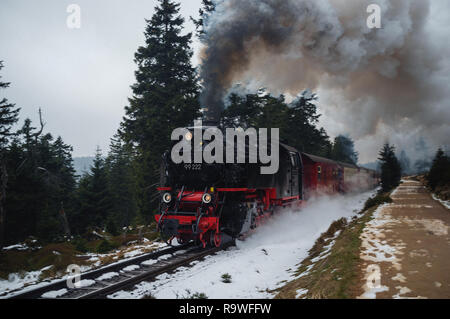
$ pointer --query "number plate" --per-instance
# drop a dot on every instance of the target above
(193, 167)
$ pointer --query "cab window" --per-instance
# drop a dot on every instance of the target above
(293, 160)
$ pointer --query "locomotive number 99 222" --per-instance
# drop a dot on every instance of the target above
(193, 167)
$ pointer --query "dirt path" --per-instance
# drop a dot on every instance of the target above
(405, 249)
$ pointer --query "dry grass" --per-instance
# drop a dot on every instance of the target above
(61, 255)
(58, 255)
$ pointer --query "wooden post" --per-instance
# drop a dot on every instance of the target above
(64, 220)
(140, 234)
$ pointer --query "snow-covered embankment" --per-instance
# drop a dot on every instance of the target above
(260, 263)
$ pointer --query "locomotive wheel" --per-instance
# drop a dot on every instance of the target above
(234, 216)
(181, 240)
(215, 239)
(165, 238)
(169, 241)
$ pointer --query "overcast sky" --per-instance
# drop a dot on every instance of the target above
(81, 78)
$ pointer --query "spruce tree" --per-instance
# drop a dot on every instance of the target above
(98, 197)
(439, 174)
(205, 11)
(8, 117)
(121, 182)
(41, 185)
(391, 171)
(297, 121)
(165, 96)
(343, 150)
(302, 126)
(93, 198)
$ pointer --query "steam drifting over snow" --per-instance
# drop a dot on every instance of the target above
(261, 262)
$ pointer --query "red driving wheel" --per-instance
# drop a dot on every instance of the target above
(217, 239)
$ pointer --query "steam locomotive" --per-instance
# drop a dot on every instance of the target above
(205, 202)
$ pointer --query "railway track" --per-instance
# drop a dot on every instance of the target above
(124, 275)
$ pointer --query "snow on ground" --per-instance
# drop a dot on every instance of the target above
(301, 293)
(22, 282)
(17, 281)
(131, 268)
(85, 283)
(264, 261)
(375, 250)
(107, 276)
(446, 203)
(54, 294)
(16, 247)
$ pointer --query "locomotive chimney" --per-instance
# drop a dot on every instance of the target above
(208, 119)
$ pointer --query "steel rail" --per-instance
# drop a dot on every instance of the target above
(150, 273)
(91, 275)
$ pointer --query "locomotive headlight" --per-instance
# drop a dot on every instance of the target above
(167, 198)
(188, 136)
(207, 198)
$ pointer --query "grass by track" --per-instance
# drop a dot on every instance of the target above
(60, 255)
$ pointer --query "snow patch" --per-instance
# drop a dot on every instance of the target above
(85, 283)
(18, 281)
(300, 293)
(108, 276)
(131, 268)
(399, 277)
(371, 293)
(54, 294)
(165, 257)
(443, 202)
(16, 247)
(149, 262)
(404, 291)
(134, 253)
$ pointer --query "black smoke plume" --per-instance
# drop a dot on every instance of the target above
(373, 78)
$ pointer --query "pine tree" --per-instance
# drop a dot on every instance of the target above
(41, 185)
(98, 198)
(8, 117)
(205, 11)
(390, 168)
(343, 150)
(93, 198)
(165, 96)
(297, 121)
(439, 174)
(302, 126)
(242, 111)
(121, 182)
